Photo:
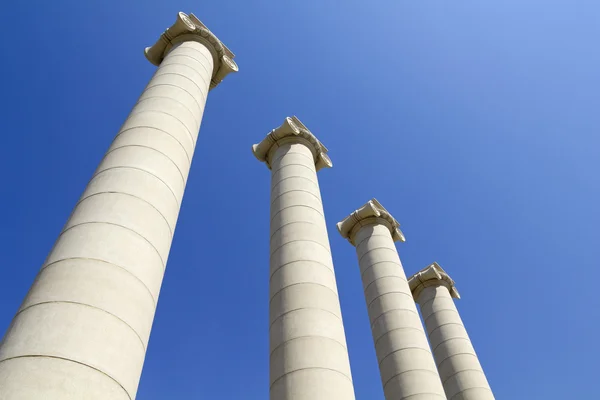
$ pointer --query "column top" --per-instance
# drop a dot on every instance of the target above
(433, 275)
(189, 28)
(292, 131)
(371, 213)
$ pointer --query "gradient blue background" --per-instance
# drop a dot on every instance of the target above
(476, 123)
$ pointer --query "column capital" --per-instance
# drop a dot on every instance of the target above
(189, 28)
(292, 131)
(433, 275)
(371, 213)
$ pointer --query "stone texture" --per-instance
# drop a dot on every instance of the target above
(83, 329)
(406, 365)
(459, 368)
(308, 353)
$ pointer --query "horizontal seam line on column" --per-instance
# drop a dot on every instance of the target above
(69, 360)
(291, 165)
(121, 226)
(300, 240)
(294, 222)
(452, 355)
(205, 95)
(151, 148)
(139, 169)
(384, 294)
(85, 305)
(163, 65)
(295, 176)
(302, 283)
(377, 263)
(187, 65)
(402, 349)
(295, 205)
(176, 54)
(464, 370)
(53, 263)
(372, 236)
(397, 329)
(389, 311)
(311, 157)
(471, 388)
(447, 323)
(419, 394)
(448, 339)
(303, 308)
(150, 86)
(182, 46)
(377, 248)
(160, 130)
(172, 99)
(295, 190)
(383, 277)
(411, 370)
(304, 337)
(131, 195)
(170, 115)
(438, 311)
(158, 73)
(302, 369)
(312, 261)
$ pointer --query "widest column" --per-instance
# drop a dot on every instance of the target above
(461, 373)
(308, 353)
(83, 329)
(406, 365)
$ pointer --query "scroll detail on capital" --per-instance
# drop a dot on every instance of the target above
(433, 275)
(189, 28)
(371, 213)
(292, 130)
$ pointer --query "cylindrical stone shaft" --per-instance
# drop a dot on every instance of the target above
(459, 368)
(83, 329)
(406, 365)
(308, 353)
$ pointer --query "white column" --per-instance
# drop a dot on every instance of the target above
(457, 362)
(83, 329)
(308, 353)
(406, 365)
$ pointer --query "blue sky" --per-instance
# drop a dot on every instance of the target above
(476, 123)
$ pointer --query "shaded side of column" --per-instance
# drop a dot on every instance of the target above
(308, 352)
(405, 361)
(458, 365)
(83, 329)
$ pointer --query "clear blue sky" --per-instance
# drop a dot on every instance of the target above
(476, 123)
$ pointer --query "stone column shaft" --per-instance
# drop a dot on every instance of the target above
(83, 328)
(405, 362)
(459, 368)
(308, 352)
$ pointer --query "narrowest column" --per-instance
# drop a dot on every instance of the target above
(457, 362)
(406, 365)
(83, 329)
(308, 354)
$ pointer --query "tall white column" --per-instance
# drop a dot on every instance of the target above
(308, 353)
(83, 329)
(406, 365)
(461, 373)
